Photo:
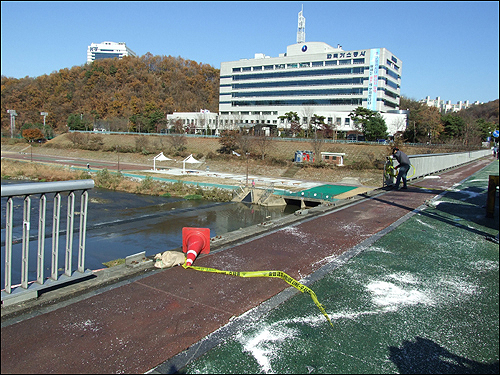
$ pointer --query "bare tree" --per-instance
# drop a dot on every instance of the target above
(237, 119)
(201, 119)
(400, 125)
(317, 143)
(177, 142)
(263, 143)
(308, 112)
(76, 138)
(118, 124)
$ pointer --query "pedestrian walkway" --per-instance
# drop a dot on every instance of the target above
(420, 298)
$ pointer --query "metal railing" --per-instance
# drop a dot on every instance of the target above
(24, 291)
(424, 165)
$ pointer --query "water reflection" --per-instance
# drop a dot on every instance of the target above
(120, 224)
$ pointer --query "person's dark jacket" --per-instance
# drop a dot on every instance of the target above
(402, 158)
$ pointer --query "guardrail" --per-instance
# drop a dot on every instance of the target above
(30, 289)
(424, 165)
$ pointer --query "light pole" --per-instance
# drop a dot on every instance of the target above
(13, 115)
(118, 155)
(44, 114)
(247, 153)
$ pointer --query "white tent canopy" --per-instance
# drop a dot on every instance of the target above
(159, 157)
(189, 159)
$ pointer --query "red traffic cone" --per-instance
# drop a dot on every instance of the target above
(195, 241)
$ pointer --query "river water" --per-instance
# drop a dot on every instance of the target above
(121, 224)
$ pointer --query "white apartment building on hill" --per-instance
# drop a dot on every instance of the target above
(447, 107)
(106, 50)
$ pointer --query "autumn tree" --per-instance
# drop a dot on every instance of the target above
(430, 121)
(228, 141)
(33, 134)
(113, 88)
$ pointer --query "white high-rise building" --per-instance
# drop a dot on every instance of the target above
(311, 78)
(107, 50)
(447, 107)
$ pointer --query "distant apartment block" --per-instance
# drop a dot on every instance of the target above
(106, 50)
(447, 107)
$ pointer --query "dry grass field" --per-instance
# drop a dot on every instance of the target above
(362, 161)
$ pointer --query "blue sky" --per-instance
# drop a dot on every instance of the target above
(448, 49)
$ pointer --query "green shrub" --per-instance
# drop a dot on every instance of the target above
(107, 180)
(193, 197)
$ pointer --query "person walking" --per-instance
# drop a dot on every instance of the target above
(403, 167)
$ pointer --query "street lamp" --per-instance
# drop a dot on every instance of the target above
(44, 114)
(13, 115)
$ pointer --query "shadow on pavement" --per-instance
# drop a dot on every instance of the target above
(465, 211)
(424, 356)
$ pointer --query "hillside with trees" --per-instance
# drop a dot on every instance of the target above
(467, 127)
(128, 93)
(134, 94)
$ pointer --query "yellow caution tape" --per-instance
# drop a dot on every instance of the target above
(282, 275)
(391, 171)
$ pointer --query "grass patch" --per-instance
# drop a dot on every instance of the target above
(113, 263)
(193, 197)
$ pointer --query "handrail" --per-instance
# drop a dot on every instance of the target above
(14, 295)
(427, 164)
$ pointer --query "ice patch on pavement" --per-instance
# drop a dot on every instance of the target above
(404, 277)
(377, 249)
(485, 265)
(388, 294)
(456, 286)
(262, 344)
(425, 224)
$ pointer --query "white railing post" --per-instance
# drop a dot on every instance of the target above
(69, 233)
(83, 231)
(8, 244)
(56, 216)
(26, 241)
(41, 239)
(26, 291)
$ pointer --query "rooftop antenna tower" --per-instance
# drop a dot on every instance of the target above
(301, 30)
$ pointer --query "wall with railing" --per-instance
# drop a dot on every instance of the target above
(19, 224)
(424, 165)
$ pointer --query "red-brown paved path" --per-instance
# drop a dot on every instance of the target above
(135, 327)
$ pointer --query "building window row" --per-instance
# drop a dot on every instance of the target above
(315, 82)
(98, 56)
(299, 73)
(390, 73)
(313, 64)
(347, 91)
(391, 94)
(391, 84)
(394, 66)
(298, 102)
